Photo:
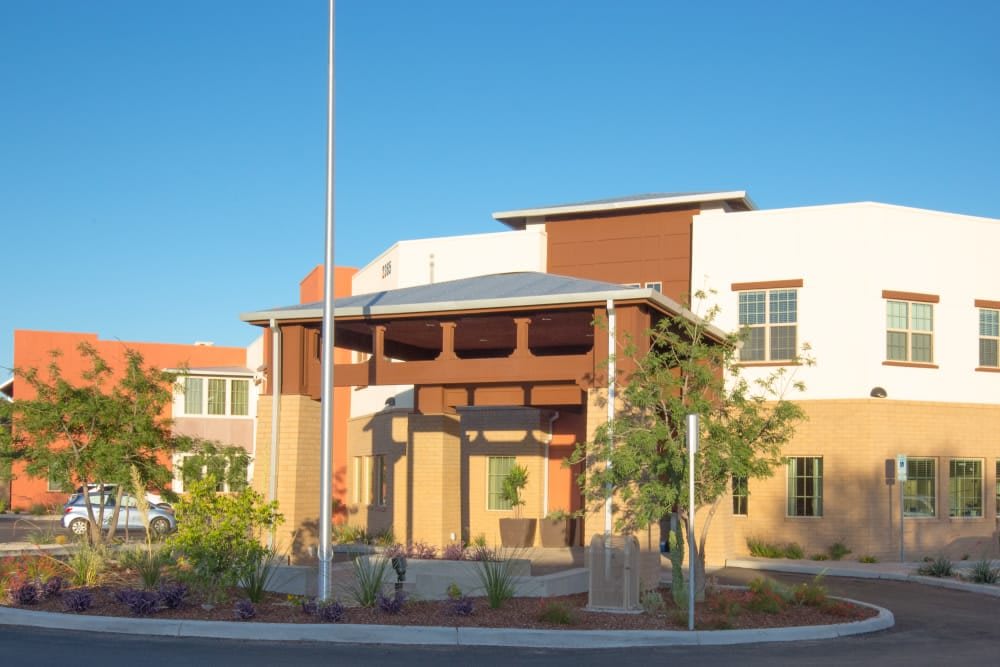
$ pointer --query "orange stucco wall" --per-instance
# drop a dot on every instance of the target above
(32, 348)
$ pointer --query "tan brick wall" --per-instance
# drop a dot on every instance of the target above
(513, 432)
(854, 437)
(298, 470)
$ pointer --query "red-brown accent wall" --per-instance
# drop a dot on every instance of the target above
(625, 247)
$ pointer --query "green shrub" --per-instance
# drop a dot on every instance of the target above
(254, 579)
(868, 559)
(762, 549)
(370, 574)
(454, 592)
(939, 567)
(478, 541)
(983, 572)
(811, 593)
(652, 602)
(768, 596)
(38, 509)
(838, 550)
(87, 565)
(558, 613)
(495, 570)
(819, 557)
(3, 506)
(219, 534)
(148, 562)
(794, 551)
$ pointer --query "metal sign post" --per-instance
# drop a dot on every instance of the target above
(901, 476)
(692, 443)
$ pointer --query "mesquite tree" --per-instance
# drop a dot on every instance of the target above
(690, 368)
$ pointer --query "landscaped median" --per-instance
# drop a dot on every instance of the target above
(440, 636)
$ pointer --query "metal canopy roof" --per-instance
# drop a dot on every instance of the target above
(497, 291)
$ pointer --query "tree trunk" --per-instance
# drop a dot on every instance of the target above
(113, 525)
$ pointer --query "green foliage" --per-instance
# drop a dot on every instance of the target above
(690, 368)
(226, 463)
(983, 572)
(868, 559)
(219, 534)
(512, 486)
(453, 591)
(678, 587)
(38, 509)
(479, 541)
(762, 549)
(794, 551)
(261, 567)
(496, 575)
(348, 534)
(652, 602)
(556, 613)
(768, 596)
(93, 430)
(838, 550)
(370, 575)
(148, 561)
(811, 593)
(819, 557)
(3, 506)
(87, 565)
(938, 567)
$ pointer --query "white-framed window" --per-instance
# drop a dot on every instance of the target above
(53, 485)
(496, 471)
(371, 480)
(632, 285)
(909, 334)
(805, 486)
(989, 337)
(741, 495)
(656, 286)
(214, 396)
(965, 488)
(769, 318)
(222, 475)
(920, 487)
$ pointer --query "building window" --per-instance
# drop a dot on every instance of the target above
(920, 488)
(909, 332)
(371, 483)
(805, 486)
(965, 488)
(997, 481)
(192, 396)
(54, 485)
(239, 397)
(498, 467)
(223, 397)
(655, 286)
(989, 337)
(769, 319)
(741, 495)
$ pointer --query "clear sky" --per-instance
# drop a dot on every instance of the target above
(162, 163)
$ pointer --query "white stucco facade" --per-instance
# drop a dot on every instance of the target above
(846, 255)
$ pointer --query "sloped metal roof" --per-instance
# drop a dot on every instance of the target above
(499, 290)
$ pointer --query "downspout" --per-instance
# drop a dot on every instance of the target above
(545, 483)
(272, 477)
(612, 371)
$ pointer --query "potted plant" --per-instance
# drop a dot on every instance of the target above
(516, 532)
(558, 529)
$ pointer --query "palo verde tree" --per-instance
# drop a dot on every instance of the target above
(95, 430)
(690, 368)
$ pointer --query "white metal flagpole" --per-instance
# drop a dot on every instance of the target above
(326, 405)
(692, 442)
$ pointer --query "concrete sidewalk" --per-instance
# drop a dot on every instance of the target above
(894, 571)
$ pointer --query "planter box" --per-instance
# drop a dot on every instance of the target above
(557, 532)
(517, 532)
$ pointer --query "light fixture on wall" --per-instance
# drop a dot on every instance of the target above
(878, 392)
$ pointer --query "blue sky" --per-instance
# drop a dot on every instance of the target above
(162, 163)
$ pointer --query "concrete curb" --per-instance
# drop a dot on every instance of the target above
(438, 636)
(793, 567)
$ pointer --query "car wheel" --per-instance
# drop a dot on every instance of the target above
(159, 525)
(79, 527)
